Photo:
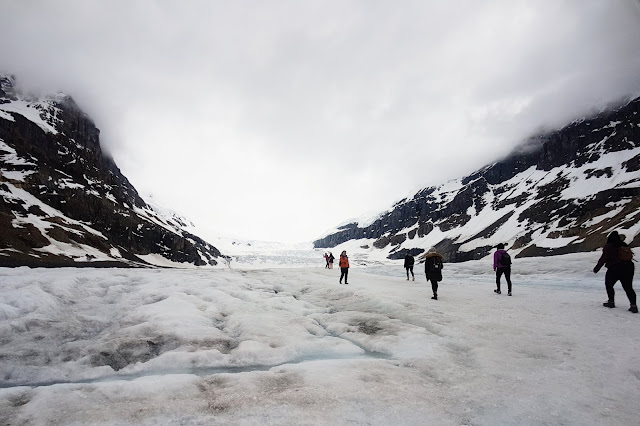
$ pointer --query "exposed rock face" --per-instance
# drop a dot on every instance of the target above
(558, 193)
(64, 202)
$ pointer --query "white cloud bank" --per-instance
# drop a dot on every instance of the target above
(278, 120)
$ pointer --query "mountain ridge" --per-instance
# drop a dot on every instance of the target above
(64, 202)
(447, 216)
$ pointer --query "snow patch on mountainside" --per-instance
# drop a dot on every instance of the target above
(31, 201)
(43, 113)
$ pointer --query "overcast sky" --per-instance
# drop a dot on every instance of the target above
(277, 120)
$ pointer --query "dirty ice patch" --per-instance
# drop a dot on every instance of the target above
(159, 260)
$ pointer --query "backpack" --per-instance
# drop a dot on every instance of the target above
(433, 268)
(437, 264)
(433, 263)
(505, 260)
(625, 253)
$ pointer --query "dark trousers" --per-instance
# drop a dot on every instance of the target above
(507, 275)
(622, 272)
(409, 269)
(344, 272)
(434, 286)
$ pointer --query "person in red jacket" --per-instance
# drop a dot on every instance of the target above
(344, 266)
(617, 269)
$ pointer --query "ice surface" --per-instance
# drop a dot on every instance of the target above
(292, 346)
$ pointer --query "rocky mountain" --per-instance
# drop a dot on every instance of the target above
(63, 202)
(557, 193)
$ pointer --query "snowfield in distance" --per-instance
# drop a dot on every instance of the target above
(292, 346)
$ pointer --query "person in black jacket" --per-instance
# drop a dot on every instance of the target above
(433, 269)
(617, 270)
(408, 265)
(502, 265)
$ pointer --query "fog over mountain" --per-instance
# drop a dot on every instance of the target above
(296, 116)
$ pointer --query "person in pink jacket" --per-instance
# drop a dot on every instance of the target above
(502, 265)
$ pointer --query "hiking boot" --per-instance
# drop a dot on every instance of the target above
(414, 278)
(509, 294)
(633, 309)
(497, 291)
(609, 304)
(434, 297)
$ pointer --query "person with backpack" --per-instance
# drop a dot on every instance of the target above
(618, 258)
(408, 265)
(502, 265)
(344, 266)
(331, 259)
(433, 269)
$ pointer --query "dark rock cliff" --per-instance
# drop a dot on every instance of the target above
(83, 208)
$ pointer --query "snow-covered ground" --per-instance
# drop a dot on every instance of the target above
(292, 346)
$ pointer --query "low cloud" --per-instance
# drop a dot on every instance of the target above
(278, 120)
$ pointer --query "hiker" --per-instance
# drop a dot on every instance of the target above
(618, 258)
(433, 269)
(408, 265)
(344, 266)
(331, 259)
(502, 265)
(326, 257)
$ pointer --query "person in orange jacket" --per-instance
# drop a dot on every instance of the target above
(344, 266)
